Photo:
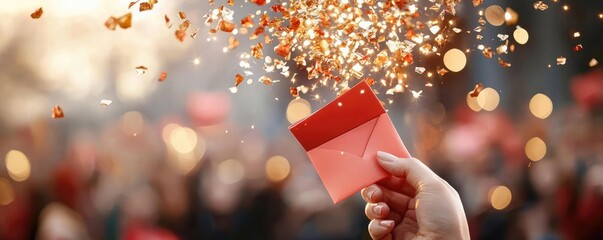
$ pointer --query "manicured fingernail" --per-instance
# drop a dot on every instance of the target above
(386, 157)
(378, 209)
(387, 223)
(369, 193)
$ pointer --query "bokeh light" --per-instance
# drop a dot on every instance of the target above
(500, 197)
(521, 35)
(541, 106)
(488, 99)
(455, 60)
(131, 123)
(18, 166)
(183, 139)
(495, 15)
(7, 194)
(231, 171)
(277, 168)
(472, 103)
(535, 149)
(298, 109)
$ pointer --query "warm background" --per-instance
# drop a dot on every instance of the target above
(186, 158)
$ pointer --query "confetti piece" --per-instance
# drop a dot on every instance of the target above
(145, 6)
(132, 4)
(593, 62)
(162, 76)
(477, 2)
(180, 35)
(578, 47)
(294, 92)
(476, 90)
(105, 102)
(576, 34)
(57, 112)
(226, 26)
(37, 14)
(539, 5)
(141, 70)
(182, 15)
(503, 63)
(238, 79)
(125, 21)
(419, 70)
(561, 61)
(416, 94)
(168, 22)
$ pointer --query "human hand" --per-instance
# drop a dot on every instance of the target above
(414, 203)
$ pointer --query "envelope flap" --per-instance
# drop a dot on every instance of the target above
(355, 107)
(385, 138)
(353, 141)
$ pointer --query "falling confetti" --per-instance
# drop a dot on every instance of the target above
(593, 62)
(123, 22)
(37, 14)
(140, 70)
(478, 88)
(57, 112)
(561, 61)
(105, 102)
(162, 76)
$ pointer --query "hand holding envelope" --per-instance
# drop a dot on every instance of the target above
(342, 140)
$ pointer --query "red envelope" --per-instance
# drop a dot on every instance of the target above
(342, 140)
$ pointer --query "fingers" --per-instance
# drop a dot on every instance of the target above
(395, 201)
(399, 185)
(381, 229)
(415, 172)
(376, 210)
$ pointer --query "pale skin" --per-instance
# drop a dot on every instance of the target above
(414, 203)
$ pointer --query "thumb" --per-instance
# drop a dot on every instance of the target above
(416, 173)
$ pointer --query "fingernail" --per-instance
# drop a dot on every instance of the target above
(378, 209)
(369, 193)
(387, 223)
(386, 157)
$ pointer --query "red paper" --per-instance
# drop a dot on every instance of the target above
(342, 140)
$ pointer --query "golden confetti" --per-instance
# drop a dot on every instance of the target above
(293, 91)
(180, 35)
(37, 14)
(256, 51)
(168, 22)
(182, 15)
(145, 6)
(232, 42)
(539, 5)
(141, 70)
(105, 102)
(477, 2)
(593, 62)
(226, 26)
(561, 61)
(578, 47)
(57, 112)
(478, 88)
(238, 79)
(125, 21)
(503, 63)
(162, 76)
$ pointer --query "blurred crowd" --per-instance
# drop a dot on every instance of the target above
(205, 179)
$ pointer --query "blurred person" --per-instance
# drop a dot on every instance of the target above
(414, 203)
